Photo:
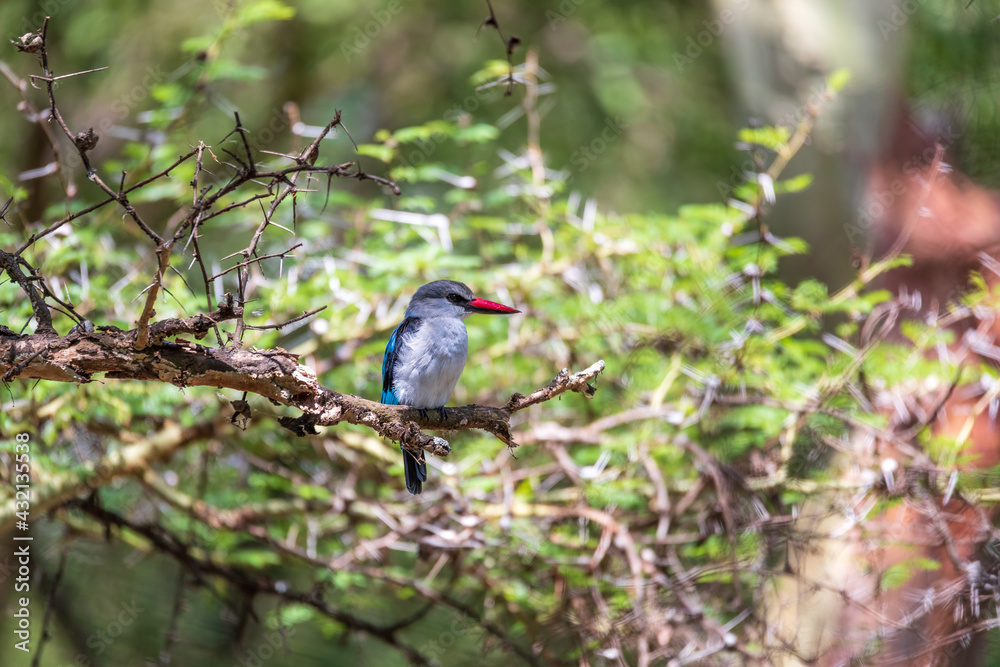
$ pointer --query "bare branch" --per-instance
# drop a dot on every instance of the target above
(168, 543)
(10, 263)
(273, 374)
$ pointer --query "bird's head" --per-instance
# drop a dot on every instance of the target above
(448, 298)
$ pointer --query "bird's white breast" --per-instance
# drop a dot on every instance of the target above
(430, 363)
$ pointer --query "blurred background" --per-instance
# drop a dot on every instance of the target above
(677, 77)
(639, 108)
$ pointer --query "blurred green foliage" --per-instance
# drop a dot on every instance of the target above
(684, 308)
(395, 64)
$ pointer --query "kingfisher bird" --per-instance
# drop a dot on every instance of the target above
(426, 354)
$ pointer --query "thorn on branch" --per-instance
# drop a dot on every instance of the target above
(11, 264)
(279, 325)
(3, 210)
(509, 44)
(246, 145)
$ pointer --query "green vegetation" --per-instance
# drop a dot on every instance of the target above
(651, 518)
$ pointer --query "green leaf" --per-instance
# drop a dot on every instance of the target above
(768, 137)
(898, 574)
(436, 131)
(259, 11)
(377, 151)
(800, 182)
(196, 44)
(290, 614)
(477, 134)
(810, 295)
(310, 492)
(839, 79)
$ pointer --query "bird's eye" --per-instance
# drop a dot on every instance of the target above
(454, 298)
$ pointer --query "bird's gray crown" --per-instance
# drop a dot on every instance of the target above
(443, 289)
(441, 298)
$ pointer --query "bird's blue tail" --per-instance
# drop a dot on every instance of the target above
(416, 472)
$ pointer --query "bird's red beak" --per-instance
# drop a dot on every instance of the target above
(489, 307)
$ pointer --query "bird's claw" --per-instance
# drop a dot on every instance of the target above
(444, 413)
(423, 412)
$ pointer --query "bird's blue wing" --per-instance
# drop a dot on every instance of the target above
(414, 465)
(396, 341)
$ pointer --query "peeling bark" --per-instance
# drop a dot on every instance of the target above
(273, 374)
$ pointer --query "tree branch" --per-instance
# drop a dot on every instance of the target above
(10, 264)
(250, 583)
(51, 489)
(273, 374)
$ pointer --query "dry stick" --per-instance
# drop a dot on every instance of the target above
(85, 142)
(238, 518)
(467, 610)
(142, 330)
(171, 635)
(204, 201)
(509, 45)
(169, 544)
(340, 563)
(32, 115)
(254, 261)
(275, 375)
(304, 162)
(90, 209)
(9, 263)
(535, 155)
(204, 277)
(49, 605)
(246, 174)
(67, 308)
(307, 156)
(279, 325)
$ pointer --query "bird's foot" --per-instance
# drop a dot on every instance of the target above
(444, 412)
(423, 412)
